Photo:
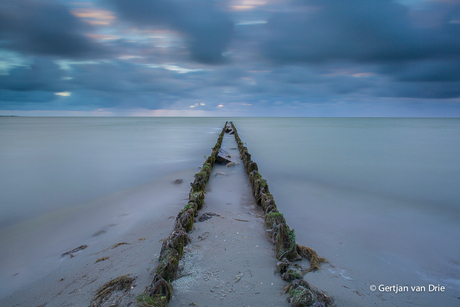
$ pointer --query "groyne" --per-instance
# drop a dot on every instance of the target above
(287, 251)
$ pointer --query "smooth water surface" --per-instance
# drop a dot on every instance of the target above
(48, 163)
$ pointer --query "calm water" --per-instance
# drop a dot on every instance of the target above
(378, 197)
(48, 163)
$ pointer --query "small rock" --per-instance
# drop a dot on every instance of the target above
(178, 181)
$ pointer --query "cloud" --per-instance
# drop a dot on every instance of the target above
(122, 84)
(208, 30)
(437, 70)
(42, 75)
(414, 52)
(309, 55)
(44, 28)
(360, 31)
(31, 87)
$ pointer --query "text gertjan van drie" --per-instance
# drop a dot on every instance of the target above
(397, 288)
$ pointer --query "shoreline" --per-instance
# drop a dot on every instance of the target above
(339, 281)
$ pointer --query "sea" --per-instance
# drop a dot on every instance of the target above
(378, 197)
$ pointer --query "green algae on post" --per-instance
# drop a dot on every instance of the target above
(301, 293)
(161, 288)
(273, 219)
(285, 246)
(176, 240)
(145, 300)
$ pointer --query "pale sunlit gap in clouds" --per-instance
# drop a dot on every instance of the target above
(255, 57)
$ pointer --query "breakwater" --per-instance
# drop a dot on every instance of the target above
(300, 293)
(287, 251)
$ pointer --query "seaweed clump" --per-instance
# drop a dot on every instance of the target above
(311, 255)
(289, 271)
(301, 294)
(121, 283)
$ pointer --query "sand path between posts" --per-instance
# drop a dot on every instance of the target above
(230, 261)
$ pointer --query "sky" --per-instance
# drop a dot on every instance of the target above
(230, 58)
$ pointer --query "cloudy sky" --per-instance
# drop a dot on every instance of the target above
(230, 57)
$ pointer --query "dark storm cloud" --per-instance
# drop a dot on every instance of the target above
(45, 28)
(425, 71)
(34, 84)
(96, 84)
(360, 31)
(14, 100)
(42, 75)
(319, 55)
(207, 30)
(418, 50)
(432, 90)
(119, 76)
(124, 85)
